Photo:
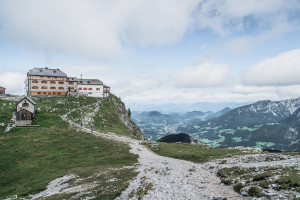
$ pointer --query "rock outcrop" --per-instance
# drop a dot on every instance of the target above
(124, 117)
(181, 137)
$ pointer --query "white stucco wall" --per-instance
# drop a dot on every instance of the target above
(91, 93)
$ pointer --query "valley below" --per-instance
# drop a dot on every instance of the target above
(270, 125)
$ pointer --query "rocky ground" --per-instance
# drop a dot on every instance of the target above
(167, 178)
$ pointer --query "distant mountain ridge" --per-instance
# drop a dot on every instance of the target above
(266, 124)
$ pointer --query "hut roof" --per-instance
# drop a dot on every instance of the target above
(47, 72)
(89, 82)
(28, 98)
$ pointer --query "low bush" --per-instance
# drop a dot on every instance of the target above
(237, 188)
(255, 192)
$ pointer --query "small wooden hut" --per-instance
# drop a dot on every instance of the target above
(25, 111)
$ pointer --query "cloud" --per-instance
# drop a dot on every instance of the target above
(243, 89)
(207, 73)
(95, 28)
(277, 71)
(103, 29)
(243, 44)
(250, 23)
(226, 16)
(13, 82)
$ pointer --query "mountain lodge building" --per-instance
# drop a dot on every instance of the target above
(54, 82)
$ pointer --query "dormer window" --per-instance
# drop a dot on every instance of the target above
(80, 82)
(41, 70)
(89, 82)
(54, 71)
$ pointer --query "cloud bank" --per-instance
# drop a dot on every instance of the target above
(13, 82)
(95, 28)
(207, 73)
(103, 29)
(281, 70)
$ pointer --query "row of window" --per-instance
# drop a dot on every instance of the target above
(44, 87)
(49, 93)
(51, 82)
(98, 89)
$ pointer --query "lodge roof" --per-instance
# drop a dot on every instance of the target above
(47, 72)
(72, 79)
(89, 82)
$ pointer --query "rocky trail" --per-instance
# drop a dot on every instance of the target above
(167, 178)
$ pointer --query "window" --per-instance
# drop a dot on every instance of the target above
(98, 89)
(53, 93)
(39, 92)
(90, 88)
(54, 71)
(80, 82)
(52, 82)
(72, 88)
(35, 81)
(61, 82)
(85, 88)
(45, 93)
(89, 82)
(35, 87)
(44, 87)
(58, 93)
(71, 83)
(61, 88)
(52, 88)
(41, 70)
(80, 88)
(90, 93)
(25, 104)
(43, 81)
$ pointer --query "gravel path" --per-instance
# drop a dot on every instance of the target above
(166, 178)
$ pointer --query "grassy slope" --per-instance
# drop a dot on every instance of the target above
(105, 120)
(195, 153)
(32, 157)
(6, 108)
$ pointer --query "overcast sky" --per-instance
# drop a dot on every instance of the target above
(158, 51)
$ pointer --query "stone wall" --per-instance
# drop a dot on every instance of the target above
(23, 122)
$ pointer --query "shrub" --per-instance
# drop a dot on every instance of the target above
(265, 184)
(263, 176)
(255, 191)
(226, 181)
(284, 187)
(237, 188)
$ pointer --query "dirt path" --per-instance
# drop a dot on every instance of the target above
(166, 178)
